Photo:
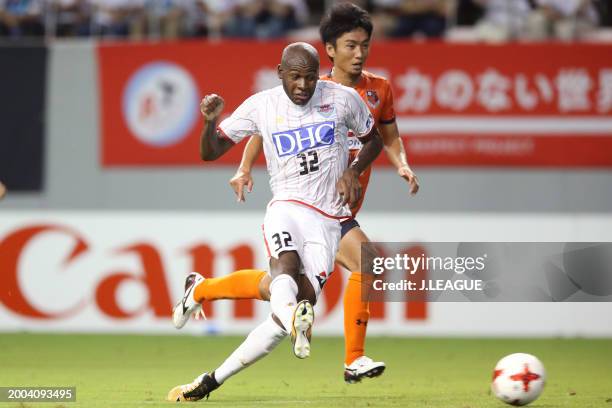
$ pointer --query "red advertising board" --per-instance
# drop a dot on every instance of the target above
(122, 271)
(527, 105)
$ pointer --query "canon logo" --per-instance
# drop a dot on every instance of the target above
(154, 268)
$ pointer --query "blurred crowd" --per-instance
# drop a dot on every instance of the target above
(488, 20)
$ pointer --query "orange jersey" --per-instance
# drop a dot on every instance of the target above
(376, 93)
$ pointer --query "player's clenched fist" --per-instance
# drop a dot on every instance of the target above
(211, 106)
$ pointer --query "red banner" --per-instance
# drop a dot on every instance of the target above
(543, 105)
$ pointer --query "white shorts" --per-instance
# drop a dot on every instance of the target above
(294, 227)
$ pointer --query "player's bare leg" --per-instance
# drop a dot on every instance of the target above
(264, 287)
(356, 311)
(286, 289)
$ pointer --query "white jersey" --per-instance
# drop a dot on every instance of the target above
(306, 147)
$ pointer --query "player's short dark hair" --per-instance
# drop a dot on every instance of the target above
(343, 18)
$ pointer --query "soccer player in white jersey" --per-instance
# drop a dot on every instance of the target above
(304, 127)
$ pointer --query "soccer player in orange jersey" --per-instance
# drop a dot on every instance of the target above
(346, 32)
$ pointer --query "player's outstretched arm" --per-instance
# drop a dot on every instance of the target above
(212, 143)
(243, 176)
(394, 147)
(348, 186)
(2, 190)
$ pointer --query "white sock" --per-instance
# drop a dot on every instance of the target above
(283, 293)
(261, 341)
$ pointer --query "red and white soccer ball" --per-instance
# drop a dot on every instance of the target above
(518, 379)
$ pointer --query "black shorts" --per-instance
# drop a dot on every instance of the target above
(347, 226)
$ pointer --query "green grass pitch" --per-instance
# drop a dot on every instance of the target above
(138, 371)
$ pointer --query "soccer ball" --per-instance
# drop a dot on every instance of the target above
(518, 379)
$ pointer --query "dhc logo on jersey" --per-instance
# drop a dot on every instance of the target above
(294, 141)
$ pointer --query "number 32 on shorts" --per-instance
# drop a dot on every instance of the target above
(282, 240)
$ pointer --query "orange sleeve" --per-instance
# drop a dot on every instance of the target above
(387, 114)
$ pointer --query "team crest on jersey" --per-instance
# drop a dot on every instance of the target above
(294, 141)
(372, 98)
(326, 110)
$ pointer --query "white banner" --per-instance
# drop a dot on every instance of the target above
(122, 272)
